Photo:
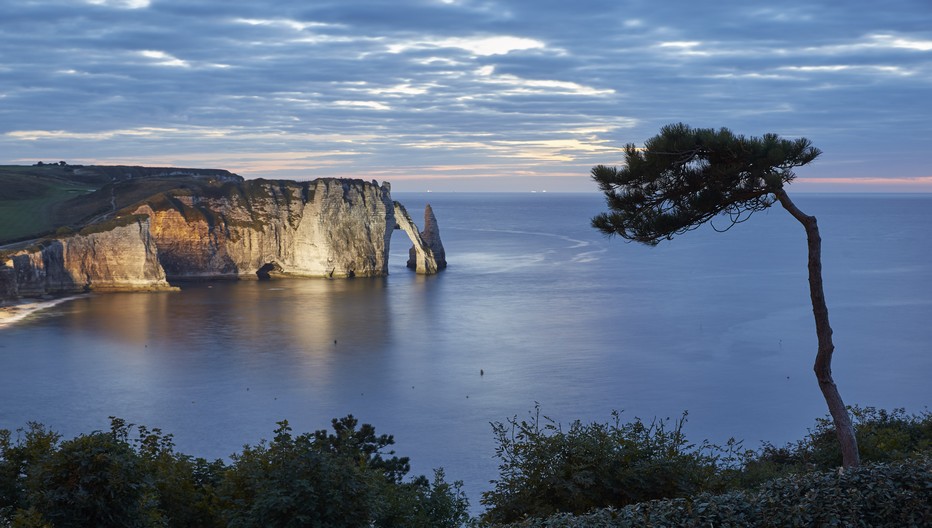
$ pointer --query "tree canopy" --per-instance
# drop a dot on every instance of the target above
(686, 176)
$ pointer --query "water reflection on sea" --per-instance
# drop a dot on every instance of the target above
(546, 308)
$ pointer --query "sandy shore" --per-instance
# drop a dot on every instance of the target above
(19, 310)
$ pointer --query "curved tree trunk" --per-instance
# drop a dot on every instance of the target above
(823, 363)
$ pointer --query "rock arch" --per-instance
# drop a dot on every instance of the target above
(427, 255)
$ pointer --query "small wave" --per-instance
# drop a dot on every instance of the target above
(891, 270)
(582, 257)
(589, 256)
(483, 263)
(576, 242)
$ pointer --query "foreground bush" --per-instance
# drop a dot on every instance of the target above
(883, 436)
(876, 495)
(545, 470)
(610, 474)
(108, 479)
(340, 479)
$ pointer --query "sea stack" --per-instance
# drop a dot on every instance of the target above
(431, 237)
(423, 256)
(427, 256)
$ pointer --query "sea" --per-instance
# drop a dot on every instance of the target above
(536, 310)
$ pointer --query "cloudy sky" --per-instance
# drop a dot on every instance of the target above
(463, 94)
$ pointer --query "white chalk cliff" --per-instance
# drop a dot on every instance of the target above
(234, 229)
(120, 257)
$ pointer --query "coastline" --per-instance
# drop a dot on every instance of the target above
(18, 310)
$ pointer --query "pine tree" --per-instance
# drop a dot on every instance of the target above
(684, 177)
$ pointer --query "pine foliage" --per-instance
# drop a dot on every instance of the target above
(685, 176)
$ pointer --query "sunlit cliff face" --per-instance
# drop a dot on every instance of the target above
(326, 228)
(253, 229)
(121, 258)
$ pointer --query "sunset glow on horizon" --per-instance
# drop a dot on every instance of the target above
(465, 95)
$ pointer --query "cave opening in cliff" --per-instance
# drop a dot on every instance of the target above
(266, 271)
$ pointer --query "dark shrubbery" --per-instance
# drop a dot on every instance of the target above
(334, 480)
(612, 475)
(109, 479)
(890, 495)
(883, 436)
(614, 470)
(545, 470)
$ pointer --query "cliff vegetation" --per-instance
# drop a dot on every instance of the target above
(37, 200)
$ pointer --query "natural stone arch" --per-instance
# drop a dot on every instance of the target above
(425, 258)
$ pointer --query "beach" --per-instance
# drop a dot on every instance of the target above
(14, 311)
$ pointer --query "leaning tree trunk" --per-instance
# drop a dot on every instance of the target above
(823, 363)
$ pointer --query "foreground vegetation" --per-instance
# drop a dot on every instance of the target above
(121, 479)
(617, 474)
(614, 474)
(877, 495)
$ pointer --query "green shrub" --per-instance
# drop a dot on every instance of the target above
(288, 482)
(116, 478)
(32, 445)
(91, 480)
(344, 478)
(877, 495)
(184, 487)
(883, 436)
(425, 504)
(545, 470)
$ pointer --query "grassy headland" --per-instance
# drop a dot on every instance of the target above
(30, 198)
(37, 200)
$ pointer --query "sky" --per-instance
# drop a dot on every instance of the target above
(463, 95)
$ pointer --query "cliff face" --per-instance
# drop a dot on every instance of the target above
(324, 228)
(225, 229)
(122, 257)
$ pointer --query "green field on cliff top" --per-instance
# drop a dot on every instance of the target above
(37, 200)
(29, 198)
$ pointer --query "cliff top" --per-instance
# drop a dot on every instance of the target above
(36, 200)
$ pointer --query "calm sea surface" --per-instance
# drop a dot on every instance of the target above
(718, 324)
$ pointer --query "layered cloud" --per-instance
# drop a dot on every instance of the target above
(436, 90)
